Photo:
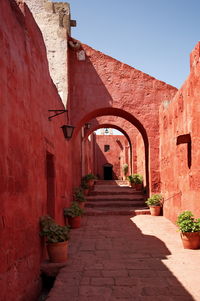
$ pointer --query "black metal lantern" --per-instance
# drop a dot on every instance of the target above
(68, 131)
(88, 125)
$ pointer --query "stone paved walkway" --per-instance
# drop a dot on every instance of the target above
(118, 258)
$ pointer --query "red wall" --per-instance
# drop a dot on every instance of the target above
(117, 155)
(140, 158)
(179, 182)
(26, 95)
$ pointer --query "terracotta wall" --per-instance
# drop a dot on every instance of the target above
(117, 154)
(179, 181)
(140, 157)
(27, 136)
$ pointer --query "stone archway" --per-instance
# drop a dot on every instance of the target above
(127, 149)
(127, 116)
(100, 85)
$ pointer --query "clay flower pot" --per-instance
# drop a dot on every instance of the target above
(155, 210)
(132, 184)
(90, 183)
(81, 204)
(190, 240)
(74, 222)
(57, 251)
(86, 191)
(138, 187)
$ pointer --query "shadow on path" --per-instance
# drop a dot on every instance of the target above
(111, 259)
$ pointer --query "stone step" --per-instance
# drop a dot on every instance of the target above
(117, 204)
(116, 192)
(116, 211)
(112, 182)
(116, 198)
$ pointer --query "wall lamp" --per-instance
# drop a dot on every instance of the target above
(68, 131)
(87, 126)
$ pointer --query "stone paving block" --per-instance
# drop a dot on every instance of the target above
(126, 281)
(113, 265)
(95, 291)
(92, 273)
(158, 291)
(125, 292)
(142, 273)
(85, 281)
(102, 281)
(154, 282)
(157, 298)
(115, 273)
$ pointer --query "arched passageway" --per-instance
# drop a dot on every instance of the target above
(119, 154)
(100, 85)
(127, 116)
(136, 143)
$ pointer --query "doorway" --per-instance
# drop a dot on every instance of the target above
(108, 171)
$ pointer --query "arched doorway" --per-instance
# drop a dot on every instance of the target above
(135, 123)
(108, 171)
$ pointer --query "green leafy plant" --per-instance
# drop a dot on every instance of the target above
(88, 177)
(154, 200)
(130, 179)
(125, 169)
(79, 195)
(52, 231)
(137, 178)
(84, 185)
(187, 223)
(73, 211)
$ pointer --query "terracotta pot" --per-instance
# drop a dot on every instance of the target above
(190, 240)
(57, 251)
(86, 191)
(132, 185)
(90, 183)
(74, 222)
(155, 210)
(138, 187)
(81, 204)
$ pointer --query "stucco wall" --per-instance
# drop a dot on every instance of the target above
(26, 95)
(140, 158)
(180, 181)
(54, 22)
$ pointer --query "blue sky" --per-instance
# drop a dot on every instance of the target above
(154, 36)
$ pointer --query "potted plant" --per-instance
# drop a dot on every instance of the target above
(125, 170)
(131, 181)
(138, 180)
(85, 187)
(190, 230)
(73, 214)
(154, 203)
(56, 237)
(79, 197)
(89, 179)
